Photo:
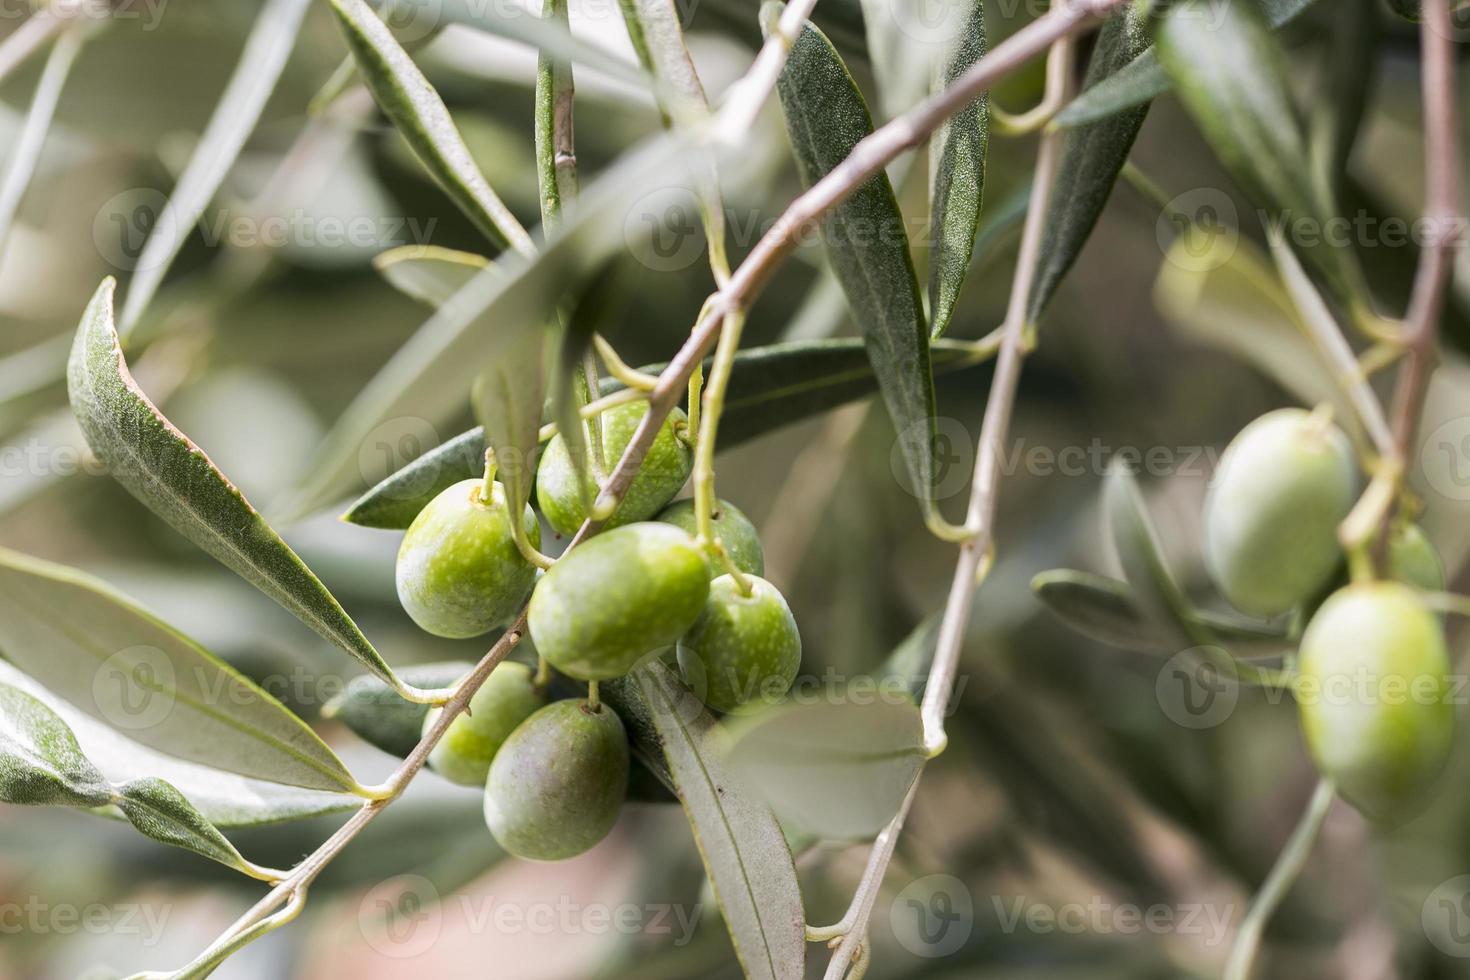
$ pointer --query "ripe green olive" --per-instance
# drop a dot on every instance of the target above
(744, 650)
(664, 471)
(1285, 483)
(459, 572)
(731, 526)
(557, 784)
(508, 697)
(1372, 691)
(616, 597)
(1413, 560)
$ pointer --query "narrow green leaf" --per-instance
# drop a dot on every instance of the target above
(160, 811)
(1144, 79)
(431, 375)
(225, 799)
(1351, 63)
(910, 662)
(770, 387)
(1091, 160)
(26, 150)
(744, 851)
(1230, 72)
(1107, 611)
(838, 770)
(508, 396)
(428, 273)
(957, 179)
(380, 716)
(41, 763)
(1136, 545)
(235, 116)
(420, 116)
(177, 481)
(866, 240)
(97, 649)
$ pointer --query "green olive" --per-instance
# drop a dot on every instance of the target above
(744, 650)
(508, 697)
(731, 526)
(1285, 483)
(664, 471)
(1413, 560)
(557, 784)
(617, 597)
(459, 572)
(1372, 691)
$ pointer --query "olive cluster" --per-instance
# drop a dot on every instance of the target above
(1372, 672)
(555, 775)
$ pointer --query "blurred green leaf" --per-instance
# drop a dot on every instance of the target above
(26, 151)
(419, 115)
(508, 397)
(1136, 545)
(97, 649)
(1351, 58)
(160, 811)
(839, 770)
(428, 273)
(744, 851)
(176, 480)
(234, 118)
(225, 799)
(866, 240)
(1091, 160)
(544, 34)
(1230, 72)
(770, 387)
(41, 763)
(1143, 79)
(380, 716)
(957, 179)
(910, 662)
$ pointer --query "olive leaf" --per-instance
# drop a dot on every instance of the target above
(429, 375)
(866, 240)
(26, 151)
(1091, 160)
(175, 479)
(158, 810)
(508, 396)
(1143, 79)
(770, 387)
(957, 179)
(420, 116)
(234, 118)
(1351, 59)
(106, 655)
(1136, 546)
(380, 716)
(744, 852)
(1107, 611)
(225, 799)
(838, 770)
(910, 662)
(428, 273)
(1230, 73)
(41, 763)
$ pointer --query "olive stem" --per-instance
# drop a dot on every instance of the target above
(1447, 602)
(704, 447)
(593, 701)
(623, 396)
(696, 386)
(1283, 875)
(542, 680)
(487, 487)
(619, 368)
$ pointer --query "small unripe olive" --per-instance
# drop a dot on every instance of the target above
(459, 573)
(731, 526)
(1372, 692)
(616, 597)
(1285, 483)
(1413, 560)
(664, 471)
(744, 650)
(557, 784)
(508, 697)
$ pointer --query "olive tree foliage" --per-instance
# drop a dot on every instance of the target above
(636, 603)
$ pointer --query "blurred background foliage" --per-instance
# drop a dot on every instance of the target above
(1064, 781)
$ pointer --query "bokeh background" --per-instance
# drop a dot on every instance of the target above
(1073, 829)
